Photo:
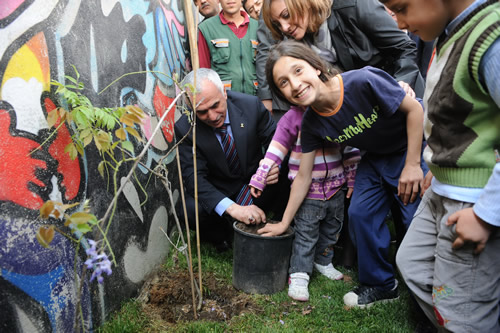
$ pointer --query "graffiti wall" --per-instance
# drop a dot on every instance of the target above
(40, 41)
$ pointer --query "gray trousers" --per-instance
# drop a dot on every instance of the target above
(458, 290)
(317, 228)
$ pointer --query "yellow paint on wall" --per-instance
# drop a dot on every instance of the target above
(24, 64)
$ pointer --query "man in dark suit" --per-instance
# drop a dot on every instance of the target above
(220, 187)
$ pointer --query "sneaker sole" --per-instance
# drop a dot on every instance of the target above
(365, 306)
(337, 279)
(298, 298)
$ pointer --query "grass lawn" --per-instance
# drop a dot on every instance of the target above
(325, 311)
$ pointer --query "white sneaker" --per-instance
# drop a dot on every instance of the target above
(297, 289)
(329, 271)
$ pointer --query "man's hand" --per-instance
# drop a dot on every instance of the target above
(470, 229)
(411, 178)
(246, 214)
(407, 88)
(427, 183)
(273, 229)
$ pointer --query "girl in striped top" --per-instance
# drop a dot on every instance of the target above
(319, 219)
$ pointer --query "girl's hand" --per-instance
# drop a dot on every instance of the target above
(349, 192)
(273, 175)
(255, 192)
(272, 229)
(411, 179)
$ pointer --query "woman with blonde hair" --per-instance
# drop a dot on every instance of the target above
(347, 33)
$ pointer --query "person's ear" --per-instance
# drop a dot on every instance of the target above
(318, 72)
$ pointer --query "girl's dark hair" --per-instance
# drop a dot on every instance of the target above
(297, 50)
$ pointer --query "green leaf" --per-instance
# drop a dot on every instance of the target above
(72, 79)
(71, 150)
(93, 221)
(128, 146)
(83, 228)
(76, 72)
(79, 118)
(102, 140)
(79, 148)
(80, 217)
(100, 168)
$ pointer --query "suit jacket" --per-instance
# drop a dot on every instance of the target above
(253, 129)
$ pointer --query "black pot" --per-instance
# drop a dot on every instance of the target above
(260, 264)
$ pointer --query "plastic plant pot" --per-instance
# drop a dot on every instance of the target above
(260, 264)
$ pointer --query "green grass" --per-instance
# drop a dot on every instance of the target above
(325, 312)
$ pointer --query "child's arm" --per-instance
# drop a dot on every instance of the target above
(285, 136)
(412, 176)
(350, 160)
(475, 224)
(300, 188)
(273, 158)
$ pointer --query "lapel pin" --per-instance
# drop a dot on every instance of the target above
(242, 125)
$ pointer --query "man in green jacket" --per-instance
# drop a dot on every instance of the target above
(227, 43)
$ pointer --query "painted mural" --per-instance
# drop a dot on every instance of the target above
(40, 40)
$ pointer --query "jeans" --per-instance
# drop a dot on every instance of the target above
(317, 228)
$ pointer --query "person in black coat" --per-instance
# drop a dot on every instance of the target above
(349, 34)
(219, 187)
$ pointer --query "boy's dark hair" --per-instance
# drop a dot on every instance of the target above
(297, 50)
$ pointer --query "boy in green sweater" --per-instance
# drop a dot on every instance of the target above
(450, 255)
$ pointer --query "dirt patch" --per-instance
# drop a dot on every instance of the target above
(168, 295)
(252, 228)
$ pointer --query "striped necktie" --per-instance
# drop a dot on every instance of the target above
(244, 198)
(233, 162)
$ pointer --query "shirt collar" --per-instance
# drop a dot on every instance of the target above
(456, 21)
(246, 20)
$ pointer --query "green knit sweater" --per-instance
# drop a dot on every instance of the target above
(462, 123)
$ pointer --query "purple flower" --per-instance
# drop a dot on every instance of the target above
(98, 262)
(282, 322)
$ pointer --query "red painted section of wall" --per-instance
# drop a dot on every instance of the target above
(161, 103)
(68, 168)
(17, 167)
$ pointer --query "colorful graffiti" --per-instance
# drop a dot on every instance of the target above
(40, 40)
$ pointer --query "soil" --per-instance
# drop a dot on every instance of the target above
(252, 228)
(167, 295)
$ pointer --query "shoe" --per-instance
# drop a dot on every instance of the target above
(222, 247)
(365, 296)
(297, 289)
(329, 271)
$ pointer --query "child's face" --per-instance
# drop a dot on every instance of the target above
(297, 80)
(426, 18)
